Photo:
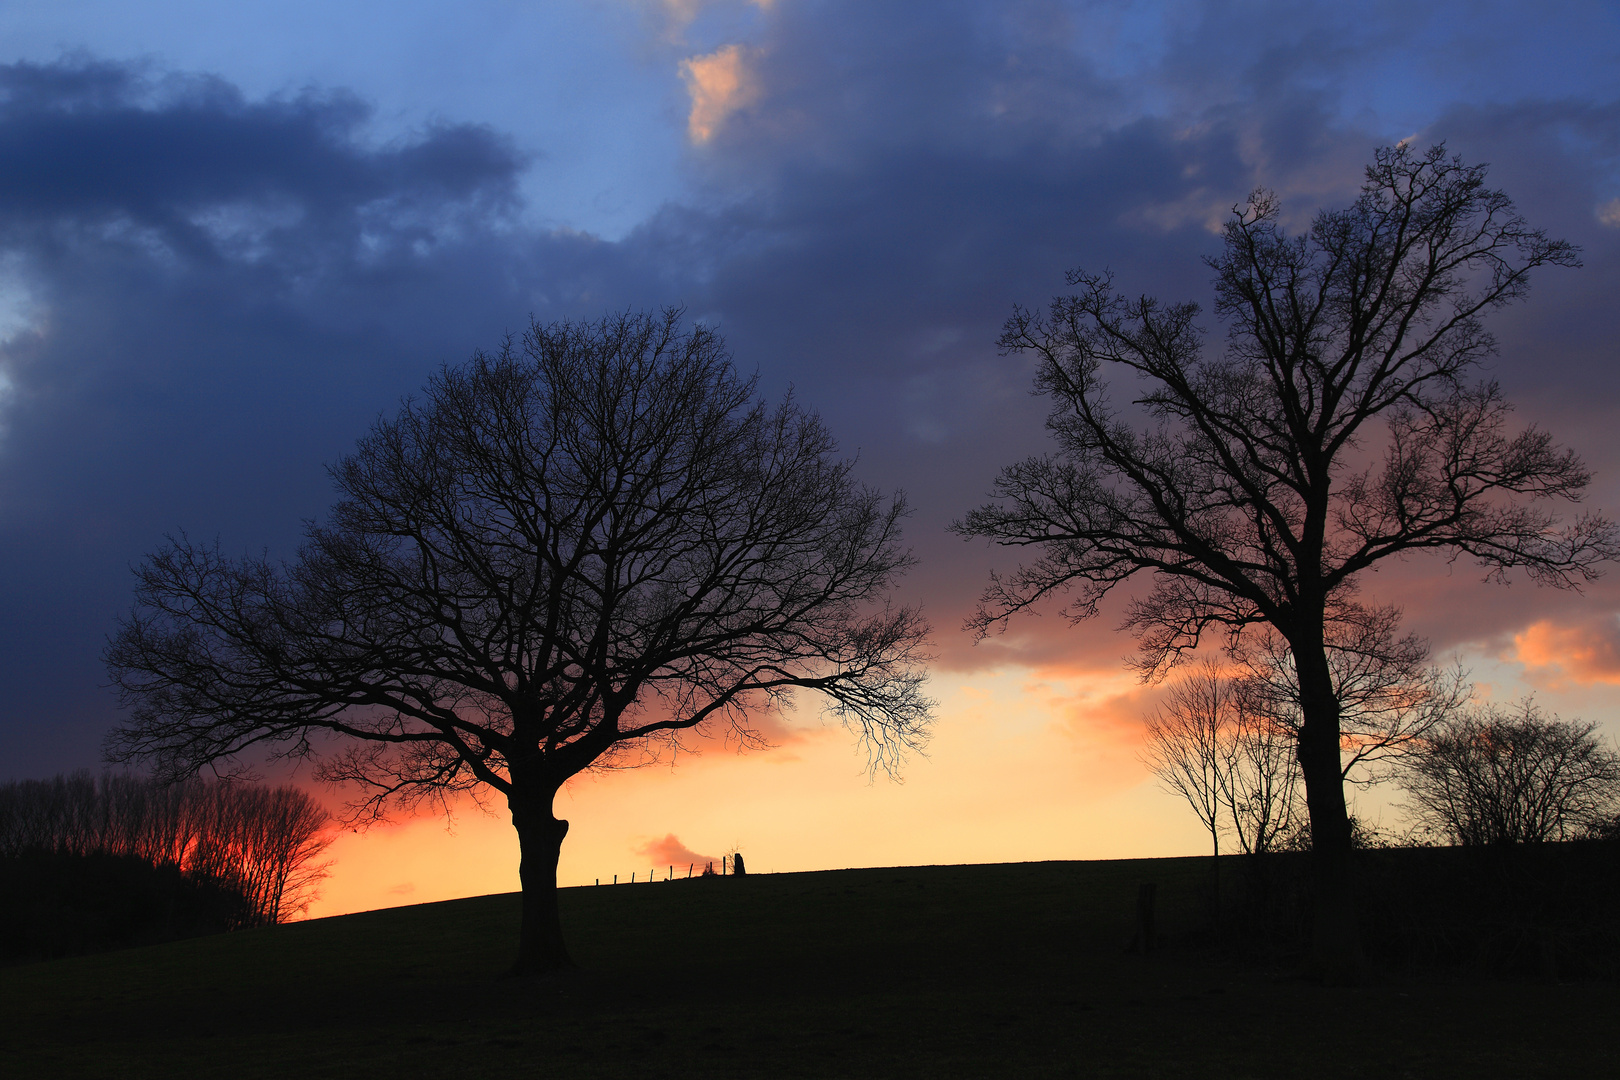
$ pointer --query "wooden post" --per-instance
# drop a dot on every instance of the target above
(1143, 941)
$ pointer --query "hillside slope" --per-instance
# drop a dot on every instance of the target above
(999, 970)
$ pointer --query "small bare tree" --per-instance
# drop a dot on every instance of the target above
(1264, 792)
(263, 842)
(560, 557)
(1191, 750)
(1233, 763)
(1501, 777)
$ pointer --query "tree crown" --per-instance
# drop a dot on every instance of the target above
(592, 538)
(1245, 493)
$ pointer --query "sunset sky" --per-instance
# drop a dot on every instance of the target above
(232, 235)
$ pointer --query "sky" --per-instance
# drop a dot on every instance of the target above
(232, 236)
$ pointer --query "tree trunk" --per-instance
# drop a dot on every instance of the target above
(540, 837)
(1335, 946)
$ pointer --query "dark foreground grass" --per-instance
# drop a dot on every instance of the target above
(1008, 970)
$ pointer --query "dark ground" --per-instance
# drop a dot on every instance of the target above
(1002, 970)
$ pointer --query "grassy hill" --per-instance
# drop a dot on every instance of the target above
(1002, 970)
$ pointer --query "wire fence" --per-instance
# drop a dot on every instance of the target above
(728, 866)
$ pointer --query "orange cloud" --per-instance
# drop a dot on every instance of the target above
(1584, 653)
(720, 84)
(671, 852)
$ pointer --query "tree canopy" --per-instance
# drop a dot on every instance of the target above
(582, 544)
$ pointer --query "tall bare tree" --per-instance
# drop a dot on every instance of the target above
(566, 551)
(1241, 482)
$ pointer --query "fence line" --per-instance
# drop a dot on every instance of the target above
(669, 872)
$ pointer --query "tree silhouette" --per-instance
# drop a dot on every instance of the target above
(1241, 482)
(1498, 777)
(562, 555)
(1192, 748)
(1213, 742)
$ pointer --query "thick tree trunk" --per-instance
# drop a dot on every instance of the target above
(1335, 946)
(540, 837)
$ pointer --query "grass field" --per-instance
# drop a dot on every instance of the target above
(1000, 970)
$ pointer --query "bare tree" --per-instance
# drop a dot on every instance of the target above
(1264, 788)
(1500, 777)
(281, 850)
(261, 841)
(560, 557)
(1191, 750)
(1246, 492)
(1233, 763)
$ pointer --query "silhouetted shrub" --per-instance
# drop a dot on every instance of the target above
(1497, 776)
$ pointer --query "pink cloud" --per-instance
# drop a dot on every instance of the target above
(1583, 653)
(720, 83)
(669, 851)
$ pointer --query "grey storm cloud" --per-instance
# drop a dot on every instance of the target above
(214, 296)
(209, 299)
(92, 141)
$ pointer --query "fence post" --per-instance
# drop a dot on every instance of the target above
(1143, 941)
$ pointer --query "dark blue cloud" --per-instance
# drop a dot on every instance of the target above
(218, 294)
(212, 298)
(94, 143)
(899, 181)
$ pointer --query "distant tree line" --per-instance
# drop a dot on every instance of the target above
(126, 858)
(1505, 776)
